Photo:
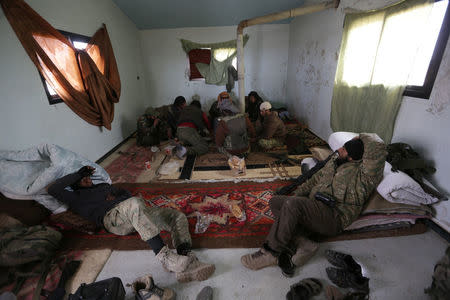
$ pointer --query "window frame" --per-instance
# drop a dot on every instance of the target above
(72, 37)
(424, 91)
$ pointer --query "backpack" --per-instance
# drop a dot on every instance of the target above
(440, 286)
(21, 245)
(108, 289)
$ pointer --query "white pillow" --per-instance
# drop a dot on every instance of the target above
(338, 139)
(399, 187)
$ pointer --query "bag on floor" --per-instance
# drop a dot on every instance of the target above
(440, 287)
(21, 245)
(108, 289)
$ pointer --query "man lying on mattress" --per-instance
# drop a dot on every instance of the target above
(119, 213)
(325, 204)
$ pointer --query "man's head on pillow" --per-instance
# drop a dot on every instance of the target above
(352, 150)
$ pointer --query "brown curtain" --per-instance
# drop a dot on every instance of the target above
(88, 81)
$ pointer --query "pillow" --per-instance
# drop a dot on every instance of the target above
(399, 187)
(320, 152)
(337, 139)
(71, 221)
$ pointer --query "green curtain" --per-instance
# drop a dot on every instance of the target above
(375, 61)
(222, 55)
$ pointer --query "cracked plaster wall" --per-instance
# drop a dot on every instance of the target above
(313, 52)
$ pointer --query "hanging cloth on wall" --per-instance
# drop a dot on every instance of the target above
(87, 80)
(222, 55)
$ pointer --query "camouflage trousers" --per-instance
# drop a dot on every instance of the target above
(195, 144)
(270, 143)
(133, 215)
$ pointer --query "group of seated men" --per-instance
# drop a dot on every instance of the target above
(231, 130)
(345, 182)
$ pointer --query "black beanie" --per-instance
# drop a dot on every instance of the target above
(355, 149)
(180, 100)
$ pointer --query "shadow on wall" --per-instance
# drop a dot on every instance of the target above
(128, 126)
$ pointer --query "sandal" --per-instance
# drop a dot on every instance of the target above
(305, 289)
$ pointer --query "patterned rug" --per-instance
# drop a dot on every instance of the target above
(225, 230)
(214, 199)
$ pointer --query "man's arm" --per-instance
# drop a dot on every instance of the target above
(374, 156)
(58, 190)
(305, 188)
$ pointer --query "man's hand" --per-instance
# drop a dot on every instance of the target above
(86, 171)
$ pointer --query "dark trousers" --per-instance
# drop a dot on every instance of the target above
(296, 216)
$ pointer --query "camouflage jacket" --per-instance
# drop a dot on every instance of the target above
(350, 183)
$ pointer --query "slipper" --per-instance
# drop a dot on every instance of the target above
(333, 293)
(305, 289)
(343, 261)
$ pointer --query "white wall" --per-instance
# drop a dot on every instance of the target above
(26, 118)
(313, 52)
(167, 65)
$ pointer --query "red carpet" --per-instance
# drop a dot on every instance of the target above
(225, 231)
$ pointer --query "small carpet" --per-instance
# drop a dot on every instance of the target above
(225, 231)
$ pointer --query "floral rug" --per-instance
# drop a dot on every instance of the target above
(212, 199)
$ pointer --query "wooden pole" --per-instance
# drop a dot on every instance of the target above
(295, 12)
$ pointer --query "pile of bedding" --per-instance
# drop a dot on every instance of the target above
(399, 201)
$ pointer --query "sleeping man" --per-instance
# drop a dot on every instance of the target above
(325, 204)
(120, 213)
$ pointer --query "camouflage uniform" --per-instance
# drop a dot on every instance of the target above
(133, 215)
(350, 184)
(147, 133)
(273, 132)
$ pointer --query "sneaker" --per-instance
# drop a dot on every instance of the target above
(286, 264)
(205, 294)
(196, 270)
(343, 261)
(305, 289)
(144, 288)
(172, 261)
(305, 251)
(346, 279)
(258, 260)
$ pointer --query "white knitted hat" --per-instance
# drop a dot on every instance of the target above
(265, 106)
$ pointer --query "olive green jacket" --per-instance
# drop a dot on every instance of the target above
(352, 182)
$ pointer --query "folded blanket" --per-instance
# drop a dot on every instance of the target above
(378, 205)
(399, 187)
(26, 173)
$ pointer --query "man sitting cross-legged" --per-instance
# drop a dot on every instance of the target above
(325, 204)
(120, 213)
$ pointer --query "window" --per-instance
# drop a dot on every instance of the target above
(405, 47)
(425, 70)
(79, 42)
(203, 55)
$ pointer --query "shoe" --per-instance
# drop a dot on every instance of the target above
(258, 260)
(305, 289)
(173, 262)
(346, 279)
(205, 294)
(144, 288)
(333, 293)
(343, 261)
(286, 264)
(180, 151)
(305, 251)
(196, 270)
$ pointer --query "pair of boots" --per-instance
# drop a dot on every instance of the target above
(264, 258)
(186, 267)
(348, 273)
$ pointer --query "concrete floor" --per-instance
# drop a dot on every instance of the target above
(398, 268)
